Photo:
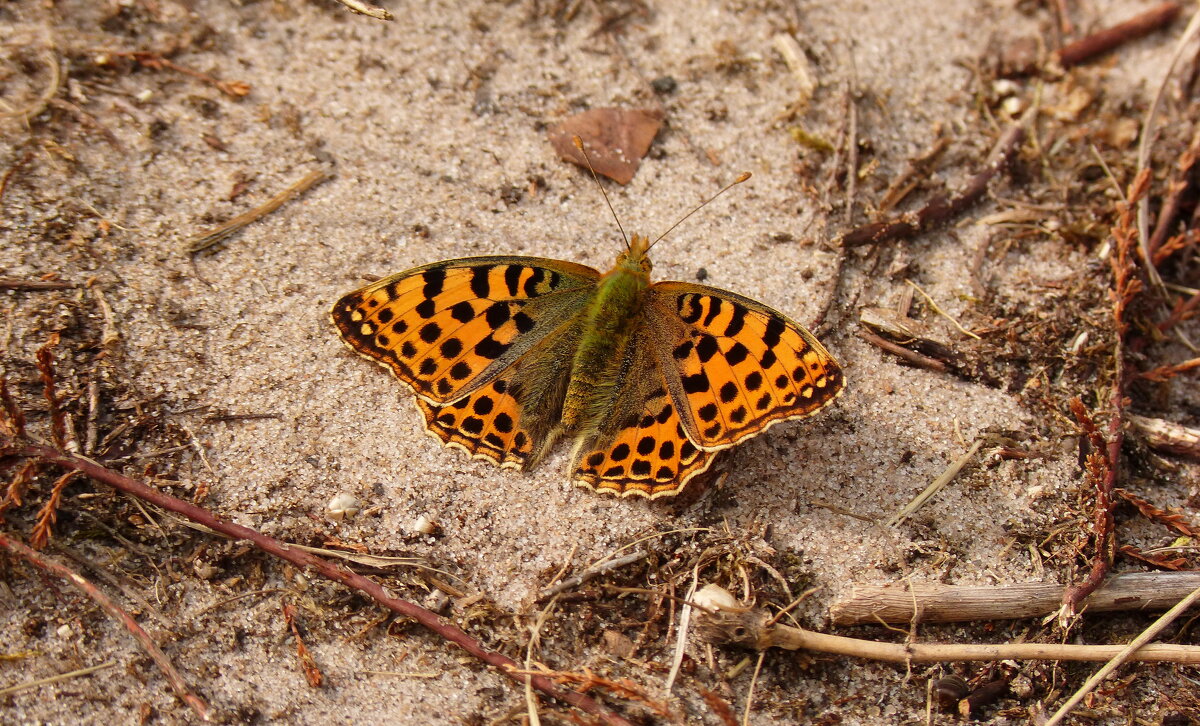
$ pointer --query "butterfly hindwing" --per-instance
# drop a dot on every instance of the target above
(735, 366)
(640, 448)
(484, 424)
(449, 328)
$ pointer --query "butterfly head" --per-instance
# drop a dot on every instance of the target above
(635, 258)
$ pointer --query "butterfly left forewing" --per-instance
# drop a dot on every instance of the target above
(448, 328)
(734, 366)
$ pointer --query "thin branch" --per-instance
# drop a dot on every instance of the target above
(371, 11)
(943, 208)
(913, 357)
(577, 580)
(1146, 139)
(1103, 41)
(749, 630)
(224, 231)
(160, 659)
(304, 560)
(16, 283)
(55, 679)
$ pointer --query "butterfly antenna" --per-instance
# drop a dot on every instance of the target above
(579, 145)
(741, 178)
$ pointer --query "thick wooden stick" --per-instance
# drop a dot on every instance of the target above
(952, 603)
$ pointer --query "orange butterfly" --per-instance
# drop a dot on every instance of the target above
(509, 354)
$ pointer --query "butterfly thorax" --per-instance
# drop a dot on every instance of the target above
(608, 323)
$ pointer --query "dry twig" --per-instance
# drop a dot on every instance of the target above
(943, 208)
(446, 630)
(1103, 41)
(208, 239)
(1168, 436)
(160, 659)
(363, 8)
(750, 630)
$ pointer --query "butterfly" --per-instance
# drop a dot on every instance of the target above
(508, 355)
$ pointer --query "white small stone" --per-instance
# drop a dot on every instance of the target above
(1014, 105)
(343, 505)
(1005, 87)
(715, 597)
(64, 630)
(425, 525)
(1080, 341)
(144, 95)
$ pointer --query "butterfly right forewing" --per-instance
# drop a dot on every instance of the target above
(734, 366)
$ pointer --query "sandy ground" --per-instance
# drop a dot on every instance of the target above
(433, 127)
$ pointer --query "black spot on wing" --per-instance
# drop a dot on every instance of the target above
(479, 281)
(524, 322)
(490, 348)
(462, 312)
(714, 309)
(430, 332)
(728, 392)
(512, 279)
(737, 321)
(534, 280)
(497, 314)
(696, 383)
(774, 331)
(434, 280)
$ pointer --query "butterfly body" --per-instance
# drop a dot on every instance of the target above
(608, 322)
(507, 355)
